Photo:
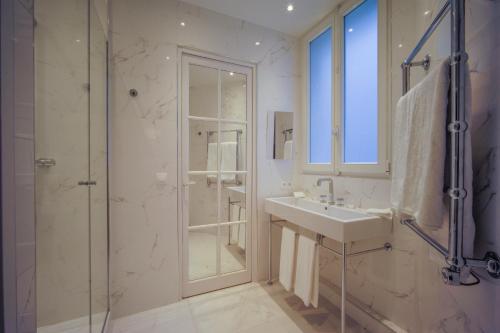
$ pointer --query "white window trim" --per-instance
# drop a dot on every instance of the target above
(315, 168)
(336, 21)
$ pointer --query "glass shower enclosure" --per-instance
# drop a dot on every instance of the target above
(71, 165)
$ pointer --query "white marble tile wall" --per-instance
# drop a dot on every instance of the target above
(405, 285)
(145, 40)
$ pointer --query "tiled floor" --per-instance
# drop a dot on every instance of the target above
(249, 308)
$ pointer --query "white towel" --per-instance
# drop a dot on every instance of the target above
(212, 161)
(287, 258)
(235, 216)
(307, 273)
(228, 160)
(381, 212)
(419, 148)
(288, 150)
(242, 236)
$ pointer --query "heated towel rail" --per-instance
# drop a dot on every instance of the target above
(457, 128)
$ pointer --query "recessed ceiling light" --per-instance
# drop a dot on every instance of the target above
(183, 24)
(257, 43)
(78, 41)
(167, 57)
(400, 45)
(290, 7)
(350, 30)
(231, 73)
(427, 12)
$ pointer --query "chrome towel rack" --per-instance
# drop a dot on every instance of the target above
(457, 129)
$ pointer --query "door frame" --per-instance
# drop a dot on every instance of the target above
(251, 175)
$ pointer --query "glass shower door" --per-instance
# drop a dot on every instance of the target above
(98, 164)
(62, 160)
(72, 169)
(216, 116)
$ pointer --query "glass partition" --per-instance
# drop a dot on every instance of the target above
(71, 165)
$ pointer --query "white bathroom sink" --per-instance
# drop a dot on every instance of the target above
(341, 224)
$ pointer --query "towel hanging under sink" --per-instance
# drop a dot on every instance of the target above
(287, 258)
(307, 271)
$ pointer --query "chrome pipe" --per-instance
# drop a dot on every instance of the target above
(428, 33)
(270, 250)
(344, 286)
(410, 223)
(457, 137)
(386, 247)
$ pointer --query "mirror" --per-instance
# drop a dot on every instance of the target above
(283, 136)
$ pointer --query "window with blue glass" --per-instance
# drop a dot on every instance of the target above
(360, 85)
(320, 98)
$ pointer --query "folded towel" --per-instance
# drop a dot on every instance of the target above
(287, 258)
(288, 150)
(235, 216)
(228, 160)
(307, 272)
(242, 236)
(242, 229)
(212, 157)
(384, 212)
(419, 149)
(212, 161)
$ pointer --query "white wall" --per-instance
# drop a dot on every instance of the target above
(144, 244)
(405, 285)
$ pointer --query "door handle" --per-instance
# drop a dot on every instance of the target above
(45, 162)
(87, 183)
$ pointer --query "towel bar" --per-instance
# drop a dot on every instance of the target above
(457, 129)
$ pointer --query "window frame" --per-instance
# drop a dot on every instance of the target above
(337, 165)
(317, 168)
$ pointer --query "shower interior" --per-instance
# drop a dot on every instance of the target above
(71, 165)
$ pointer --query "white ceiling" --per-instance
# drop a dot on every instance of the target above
(272, 13)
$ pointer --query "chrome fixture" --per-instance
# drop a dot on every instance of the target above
(45, 162)
(87, 183)
(457, 129)
(330, 197)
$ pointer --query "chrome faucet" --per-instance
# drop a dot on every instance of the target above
(330, 197)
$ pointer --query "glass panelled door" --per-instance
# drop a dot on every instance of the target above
(216, 178)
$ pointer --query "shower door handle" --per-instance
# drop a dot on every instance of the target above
(45, 162)
(87, 183)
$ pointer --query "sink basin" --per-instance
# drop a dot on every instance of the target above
(341, 224)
